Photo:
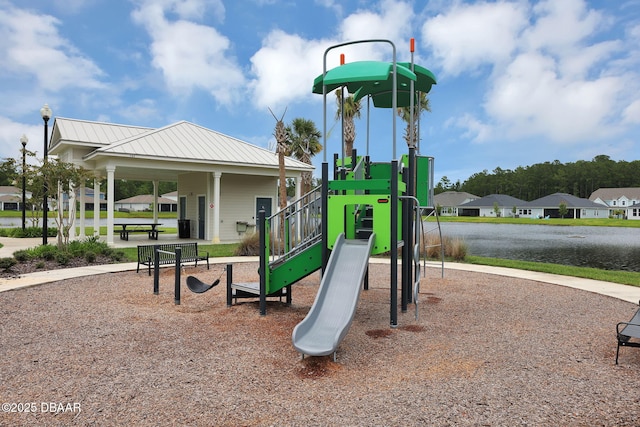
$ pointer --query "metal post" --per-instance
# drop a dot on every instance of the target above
(405, 251)
(45, 204)
(394, 244)
(409, 238)
(325, 215)
(229, 283)
(24, 141)
(263, 263)
(176, 298)
(156, 270)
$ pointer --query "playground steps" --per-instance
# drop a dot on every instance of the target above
(252, 290)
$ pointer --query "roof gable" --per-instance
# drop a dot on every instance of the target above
(453, 198)
(631, 193)
(554, 200)
(503, 200)
(91, 133)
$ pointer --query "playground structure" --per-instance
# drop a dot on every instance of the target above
(363, 208)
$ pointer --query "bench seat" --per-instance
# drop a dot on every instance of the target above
(190, 253)
(628, 333)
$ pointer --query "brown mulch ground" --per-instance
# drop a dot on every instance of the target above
(486, 350)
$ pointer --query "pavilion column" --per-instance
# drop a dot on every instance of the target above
(72, 212)
(299, 214)
(82, 210)
(110, 203)
(96, 206)
(216, 207)
(156, 184)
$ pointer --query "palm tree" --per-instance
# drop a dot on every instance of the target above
(421, 105)
(304, 143)
(351, 111)
(280, 133)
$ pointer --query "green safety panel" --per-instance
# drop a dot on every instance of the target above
(342, 213)
(422, 180)
(295, 268)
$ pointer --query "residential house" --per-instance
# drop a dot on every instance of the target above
(618, 199)
(447, 202)
(10, 198)
(145, 203)
(549, 207)
(493, 205)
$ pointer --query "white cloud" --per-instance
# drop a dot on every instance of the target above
(284, 69)
(190, 55)
(560, 26)
(474, 129)
(552, 73)
(286, 64)
(31, 46)
(631, 114)
(468, 36)
(10, 133)
(531, 98)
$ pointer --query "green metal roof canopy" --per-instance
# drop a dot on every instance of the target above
(375, 78)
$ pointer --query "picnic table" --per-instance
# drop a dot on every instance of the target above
(138, 227)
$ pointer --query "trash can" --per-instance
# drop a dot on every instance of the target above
(184, 229)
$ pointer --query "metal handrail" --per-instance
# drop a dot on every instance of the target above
(295, 227)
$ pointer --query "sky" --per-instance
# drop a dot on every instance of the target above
(519, 82)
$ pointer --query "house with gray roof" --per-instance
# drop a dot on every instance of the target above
(447, 202)
(221, 180)
(495, 205)
(11, 197)
(619, 199)
(146, 202)
(549, 206)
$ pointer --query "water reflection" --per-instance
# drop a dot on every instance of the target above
(609, 248)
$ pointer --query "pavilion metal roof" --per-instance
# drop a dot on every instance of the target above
(92, 133)
(185, 141)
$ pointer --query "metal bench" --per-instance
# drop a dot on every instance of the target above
(628, 333)
(190, 253)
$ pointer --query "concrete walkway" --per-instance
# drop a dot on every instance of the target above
(623, 292)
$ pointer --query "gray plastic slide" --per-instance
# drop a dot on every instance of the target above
(331, 314)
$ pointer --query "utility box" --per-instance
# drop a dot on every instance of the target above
(184, 228)
(241, 226)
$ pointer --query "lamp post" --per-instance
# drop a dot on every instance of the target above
(46, 114)
(24, 141)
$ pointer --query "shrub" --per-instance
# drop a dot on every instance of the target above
(22, 255)
(63, 258)
(249, 245)
(454, 248)
(90, 256)
(46, 252)
(7, 263)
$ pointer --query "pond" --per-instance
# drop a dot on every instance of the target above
(607, 248)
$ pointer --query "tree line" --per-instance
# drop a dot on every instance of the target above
(580, 178)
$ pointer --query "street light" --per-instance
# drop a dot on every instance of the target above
(24, 141)
(46, 114)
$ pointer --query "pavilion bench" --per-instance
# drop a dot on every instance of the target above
(167, 255)
(628, 333)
